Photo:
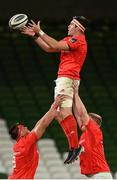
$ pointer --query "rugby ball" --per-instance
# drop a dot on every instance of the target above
(18, 21)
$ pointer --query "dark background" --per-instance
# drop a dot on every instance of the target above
(58, 9)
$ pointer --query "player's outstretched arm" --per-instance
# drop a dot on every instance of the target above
(43, 123)
(43, 45)
(28, 31)
(54, 45)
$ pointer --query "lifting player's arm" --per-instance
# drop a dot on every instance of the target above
(43, 123)
(80, 111)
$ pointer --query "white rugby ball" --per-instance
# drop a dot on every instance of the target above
(18, 21)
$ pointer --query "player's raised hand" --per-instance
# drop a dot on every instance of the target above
(27, 31)
(35, 27)
(58, 100)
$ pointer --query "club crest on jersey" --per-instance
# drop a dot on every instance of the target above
(73, 40)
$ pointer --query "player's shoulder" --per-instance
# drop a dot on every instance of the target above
(92, 123)
(71, 39)
(34, 134)
(31, 134)
(81, 38)
(66, 38)
(29, 138)
(22, 140)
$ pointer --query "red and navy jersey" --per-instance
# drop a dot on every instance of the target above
(25, 157)
(71, 61)
(92, 158)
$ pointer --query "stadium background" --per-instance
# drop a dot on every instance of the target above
(27, 73)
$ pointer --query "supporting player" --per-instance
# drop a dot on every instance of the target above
(25, 159)
(93, 163)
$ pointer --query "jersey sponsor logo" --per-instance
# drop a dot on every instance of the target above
(73, 40)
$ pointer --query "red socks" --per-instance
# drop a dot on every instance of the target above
(69, 126)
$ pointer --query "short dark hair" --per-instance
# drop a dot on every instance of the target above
(83, 20)
(14, 131)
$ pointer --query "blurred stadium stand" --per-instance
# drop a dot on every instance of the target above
(27, 77)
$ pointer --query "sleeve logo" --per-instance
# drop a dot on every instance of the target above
(73, 40)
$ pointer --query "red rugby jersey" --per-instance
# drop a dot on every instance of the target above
(71, 61)
(25, 159)
(92, 159)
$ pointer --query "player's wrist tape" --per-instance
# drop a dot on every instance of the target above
(36, 35)
(41, 33)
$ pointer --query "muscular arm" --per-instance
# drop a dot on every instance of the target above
(28, 31)
(45, 41)
(43, 123)
(80, 111)
(54, 44)
(43, 45)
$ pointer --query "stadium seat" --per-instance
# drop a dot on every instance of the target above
(2, 168)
